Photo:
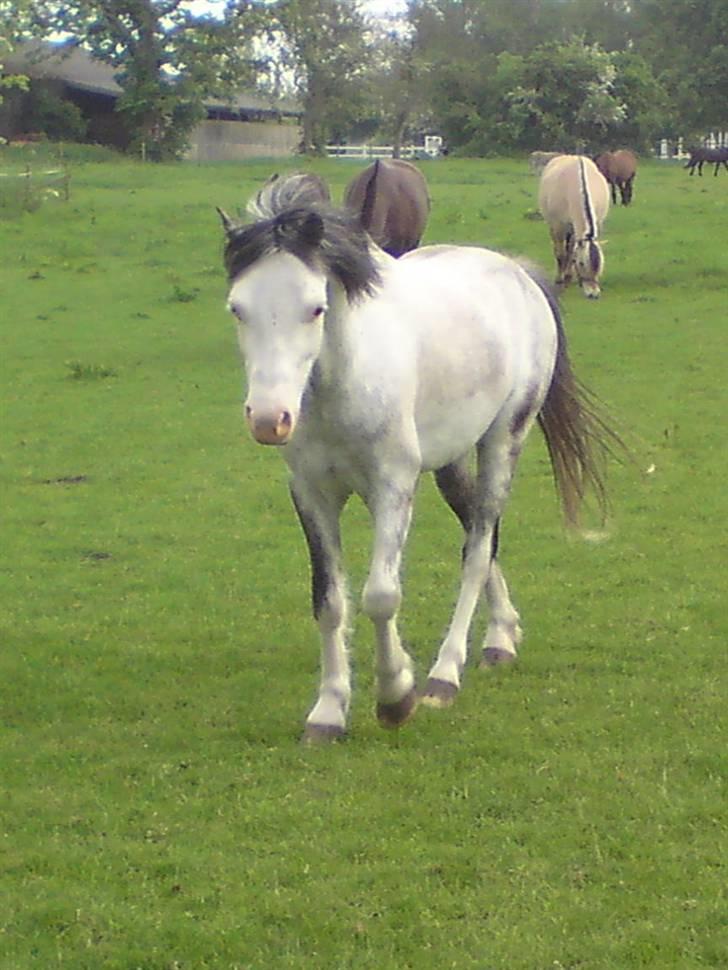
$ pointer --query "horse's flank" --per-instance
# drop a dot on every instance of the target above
(391, 199)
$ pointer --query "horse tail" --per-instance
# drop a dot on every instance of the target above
(370, 197)
(577, 434)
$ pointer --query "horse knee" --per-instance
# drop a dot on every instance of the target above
(380, 600)
(332, 610)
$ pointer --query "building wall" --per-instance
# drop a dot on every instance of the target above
(221, 141)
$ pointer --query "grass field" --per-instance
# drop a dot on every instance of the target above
(158, 655)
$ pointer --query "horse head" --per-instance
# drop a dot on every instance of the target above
(589, 265)
(283, 272)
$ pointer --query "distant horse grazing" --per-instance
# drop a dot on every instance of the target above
(574, 200)
(306, 187)
(537, 161)
(369, 371)
(619, 169)
(699, 156)
(392, 202)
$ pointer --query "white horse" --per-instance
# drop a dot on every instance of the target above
(368, 371)
(574, 200)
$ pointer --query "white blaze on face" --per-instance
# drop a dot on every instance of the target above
(279, 303)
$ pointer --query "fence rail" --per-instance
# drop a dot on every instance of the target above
(431, 149)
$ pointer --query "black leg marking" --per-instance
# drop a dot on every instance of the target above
(320, 572)
(495, 540)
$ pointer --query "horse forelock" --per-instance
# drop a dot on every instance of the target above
(321, 237)
(596, 258)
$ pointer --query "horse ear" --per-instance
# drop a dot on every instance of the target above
(227, 223)
(312, 229)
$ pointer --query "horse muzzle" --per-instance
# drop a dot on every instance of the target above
(591, 290)
(274, 428)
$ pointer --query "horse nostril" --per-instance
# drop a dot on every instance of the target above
(285, 421)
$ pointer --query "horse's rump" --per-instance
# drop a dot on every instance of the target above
(390, 198)
(561, 195)
(617, 166)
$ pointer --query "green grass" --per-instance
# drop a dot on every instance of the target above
(158, 655)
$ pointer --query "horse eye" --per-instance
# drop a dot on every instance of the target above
(317, 312)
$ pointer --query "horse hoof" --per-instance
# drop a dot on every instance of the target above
(496, 657)
(322, 734)
(395, 715)
(439, 693)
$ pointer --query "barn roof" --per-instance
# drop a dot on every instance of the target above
(79, 69)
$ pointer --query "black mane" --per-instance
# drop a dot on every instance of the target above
(320, 235)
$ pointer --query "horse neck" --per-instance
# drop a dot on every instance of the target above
(338, 347)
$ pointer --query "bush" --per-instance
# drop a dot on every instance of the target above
(57, 118)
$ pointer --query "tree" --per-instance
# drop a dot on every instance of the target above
(323, 44)
(684, 41)
(11, 17)
(169, 60)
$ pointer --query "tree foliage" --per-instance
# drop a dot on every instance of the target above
(168, 59)
(490, 75)
(323, 45)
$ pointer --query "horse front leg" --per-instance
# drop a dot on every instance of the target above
(319, 514)
(391, 508)
(482, 502)
(564, 251)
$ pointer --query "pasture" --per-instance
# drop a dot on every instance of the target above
(159, 656)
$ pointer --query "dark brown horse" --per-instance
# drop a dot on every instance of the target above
(392, 202)
(698, 157)
(619, 169)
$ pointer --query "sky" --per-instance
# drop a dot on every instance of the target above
(376, 8)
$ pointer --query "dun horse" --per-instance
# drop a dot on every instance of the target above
(619, 169)
(367, 371)
(699, 156)
(392, 202)
(574, 201)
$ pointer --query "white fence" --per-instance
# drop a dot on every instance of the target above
(431, 149)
